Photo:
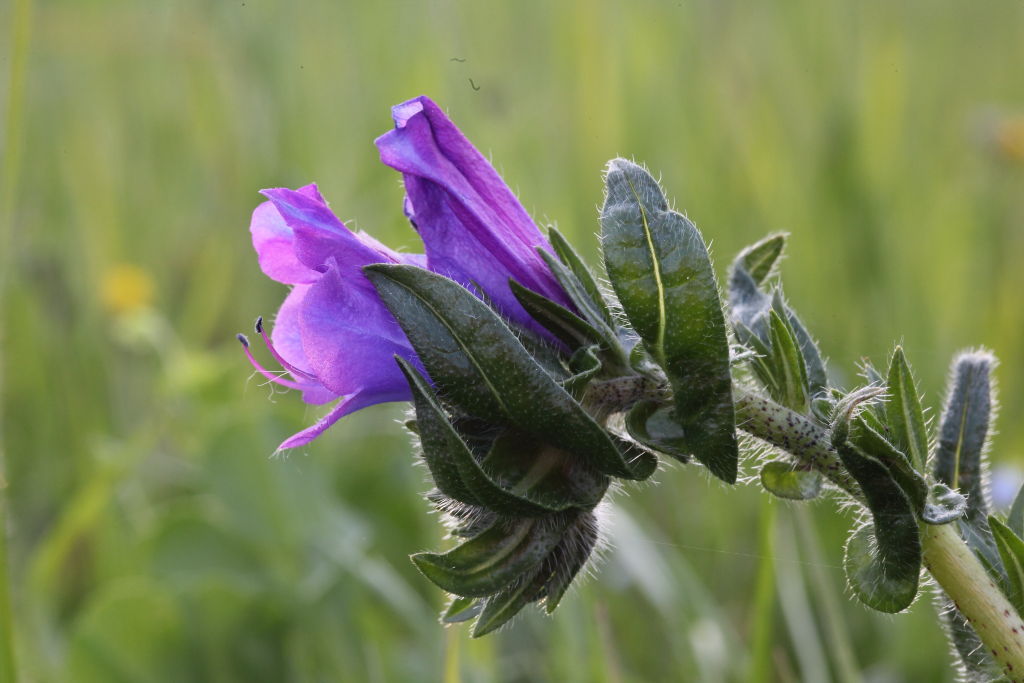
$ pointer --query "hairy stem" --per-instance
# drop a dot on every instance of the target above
(946, 556)
(969, 586)
(794, 433)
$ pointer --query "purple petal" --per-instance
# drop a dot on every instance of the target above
(353, 402)
(273, 240)
(287, 339)
(320, 236)
(350, 338)
(473, 227)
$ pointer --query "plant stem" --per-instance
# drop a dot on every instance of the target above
(969, 586)
(946, 556)
(794, 433)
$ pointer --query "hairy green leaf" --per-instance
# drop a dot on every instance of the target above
(641, 461)
(872, 443)
(817, 378)
(978, 663)
(656, 427)
(519, 475)
(572, 260)
(557, 319)
(903, 411)
(661, 272)
(963, 430)
(505, 604)
(461, 609)
(542, 474)
(1015, 520)
(492, 560)
(570, 557)
(786, 480)
(480, 366)
(1011, 550)
(759, 258)
(749, 305)
(788, 364)
(945, 505)
(585, 365)
(883, 559)
(594, 312)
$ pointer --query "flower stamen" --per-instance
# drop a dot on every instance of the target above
(276, 379)
(278, 357)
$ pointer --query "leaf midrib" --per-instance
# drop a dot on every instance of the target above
(659, 350)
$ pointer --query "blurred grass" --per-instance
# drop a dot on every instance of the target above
(152, 539)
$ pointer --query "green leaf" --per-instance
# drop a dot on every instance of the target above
(570, 557)
(790, 370)
(903, 411)
(519, 476)
(585, 365)
(461, 609)
(656, 427)
(1015, 520)
(492, 560)
(480, 366)
(641, 461)
(945, 506)
(869, 441)
(591, 311)
(786, 480)
(586, 278)
(979, 539)
(557, 319)
(963, 430)
(542, 474)
(505, 604)
(817, 377)
(760, 258)
(660, 269)
(1011, 550)
(883, 559)
(763, 363)
(749, 306)
(979, 666)
(847, 408)
(441, 445)
(871, 373)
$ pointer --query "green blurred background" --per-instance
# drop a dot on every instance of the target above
(151, 535)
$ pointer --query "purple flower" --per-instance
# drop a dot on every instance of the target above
(474, 229)
(333, 335)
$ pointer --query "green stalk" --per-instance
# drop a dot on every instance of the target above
(764, 601)
(794, 433)
(8, 663)
(946, 556)
(969, 586)
(20, 32)
(452, 660)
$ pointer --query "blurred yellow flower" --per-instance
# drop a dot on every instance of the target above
(126, 288)
(1009, 138)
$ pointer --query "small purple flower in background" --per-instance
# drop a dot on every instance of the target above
(333, 335)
